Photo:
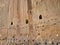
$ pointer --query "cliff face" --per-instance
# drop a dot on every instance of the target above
(29, 22)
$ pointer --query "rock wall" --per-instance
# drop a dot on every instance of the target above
(29, 22)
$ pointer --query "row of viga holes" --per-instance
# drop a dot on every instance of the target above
(12, 41)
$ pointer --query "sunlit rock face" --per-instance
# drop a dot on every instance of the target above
(29, 22)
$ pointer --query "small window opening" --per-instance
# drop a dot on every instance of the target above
(40, 17)
(11, 23)
(26, 21)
